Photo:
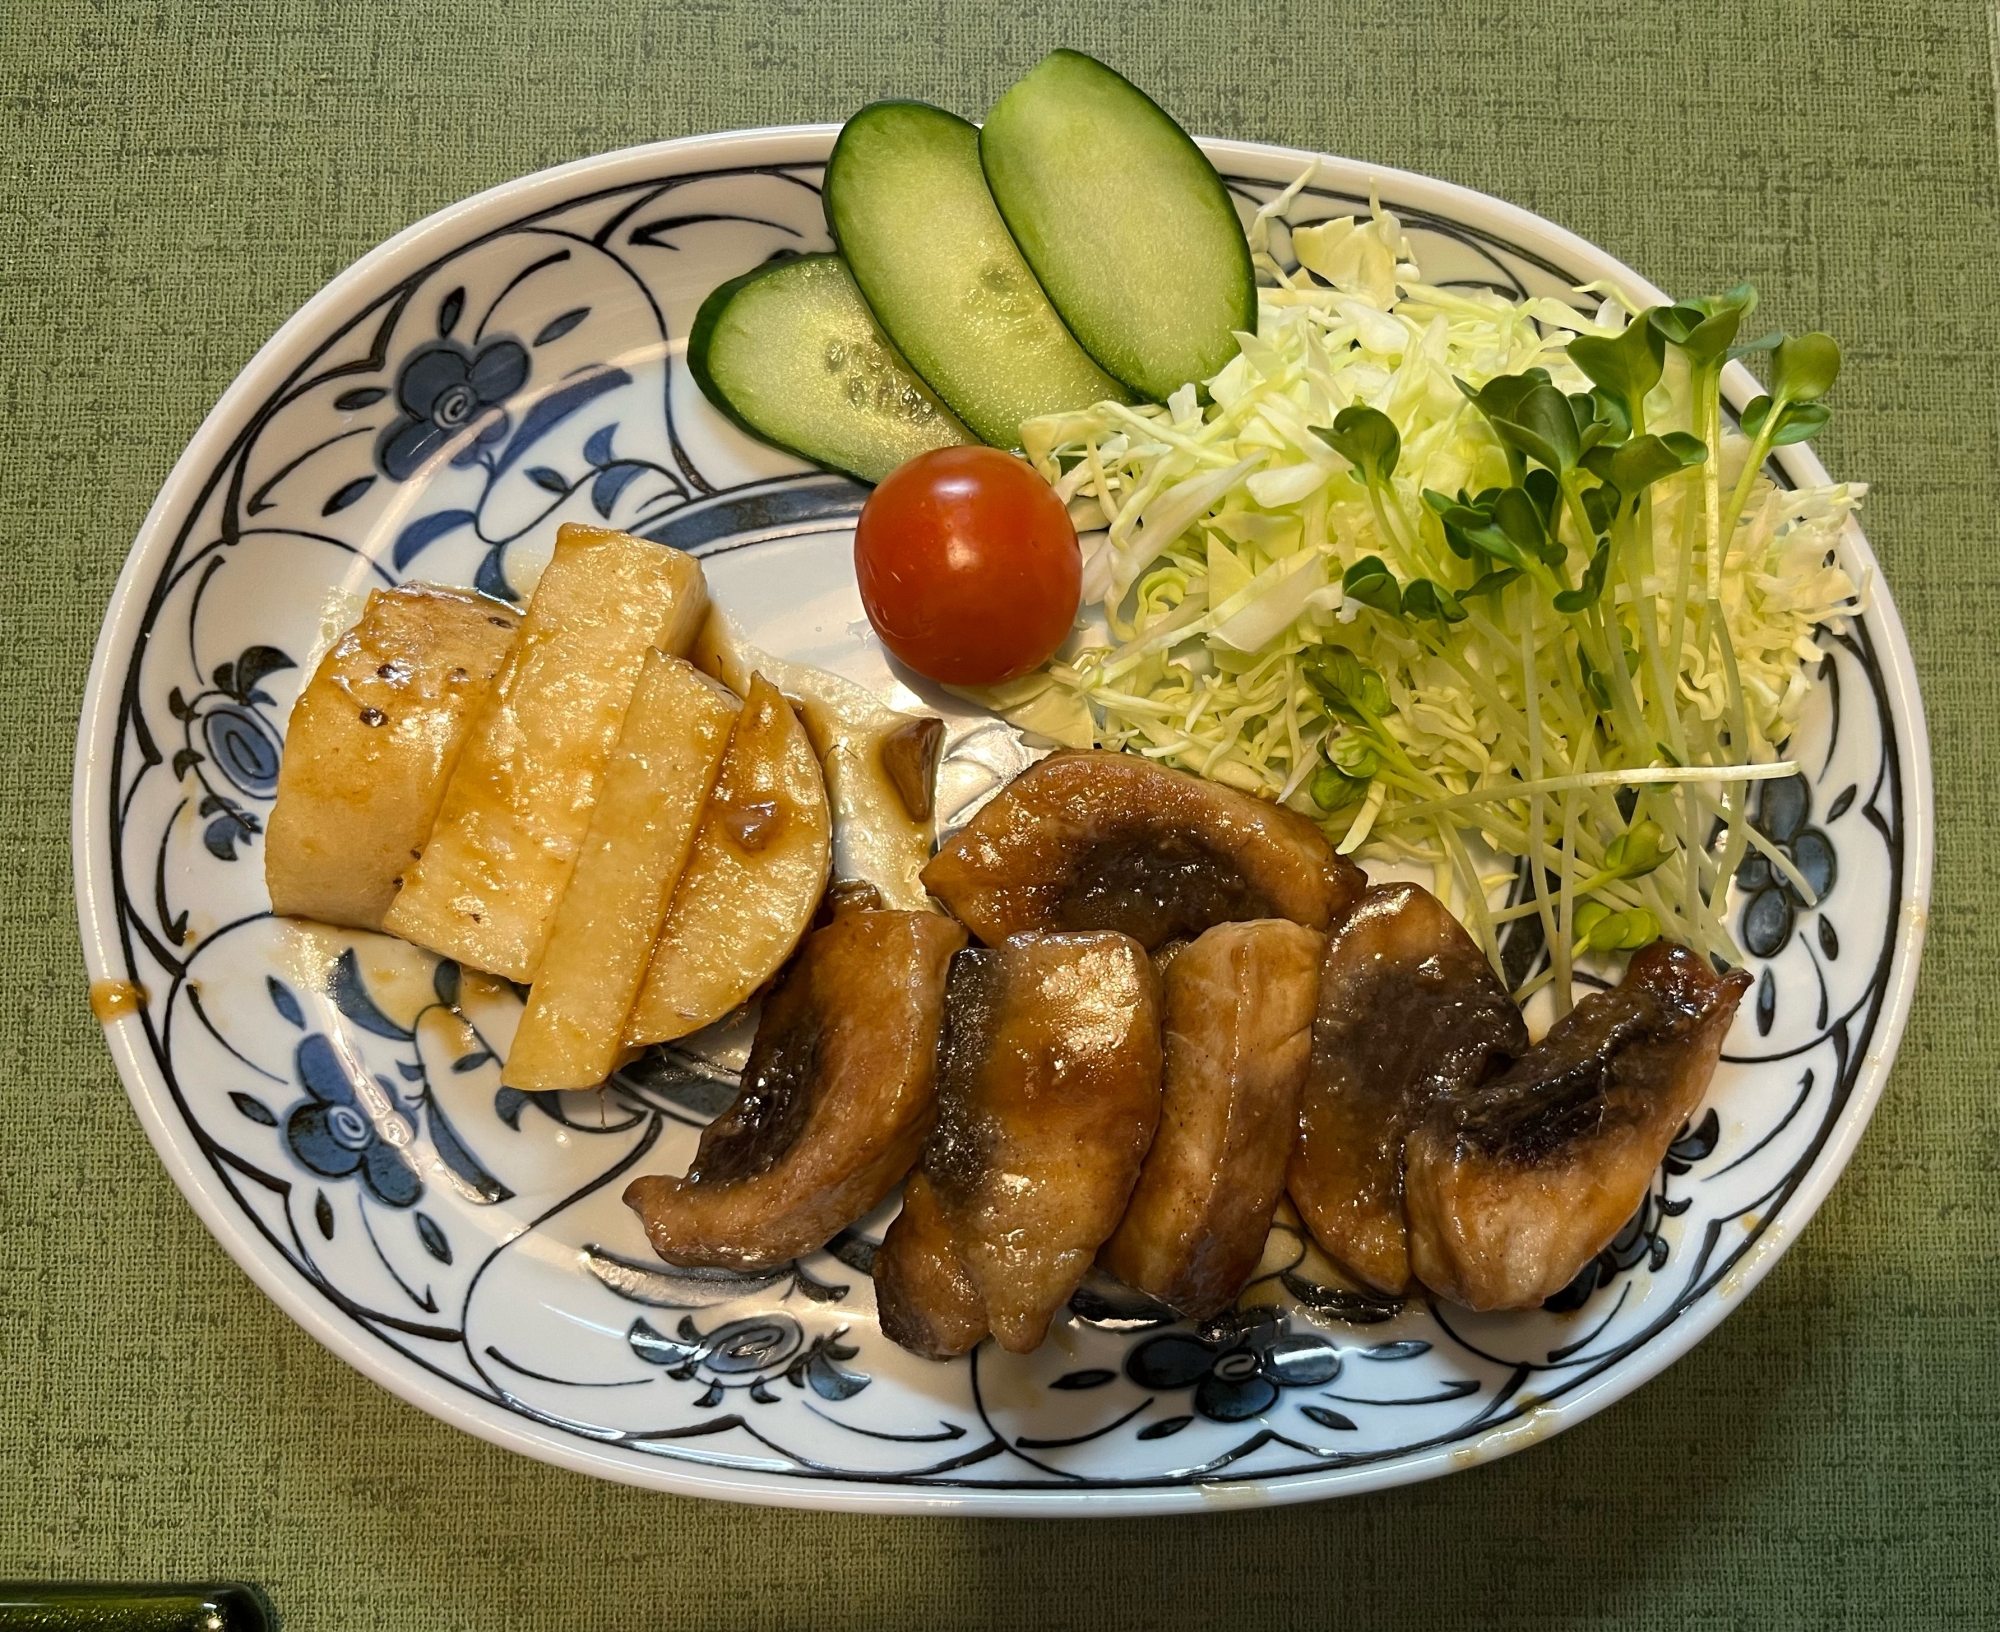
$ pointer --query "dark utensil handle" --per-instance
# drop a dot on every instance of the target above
(102, 1606)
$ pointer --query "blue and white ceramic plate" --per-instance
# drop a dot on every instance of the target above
(330, 1102)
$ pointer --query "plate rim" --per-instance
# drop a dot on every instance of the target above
(792, 145)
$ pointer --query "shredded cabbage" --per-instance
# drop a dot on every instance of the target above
(1414, 707)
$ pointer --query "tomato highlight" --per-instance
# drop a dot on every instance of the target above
(968, 566)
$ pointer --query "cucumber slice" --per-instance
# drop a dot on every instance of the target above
(792, 354)
(907, 201)
(1125, 222)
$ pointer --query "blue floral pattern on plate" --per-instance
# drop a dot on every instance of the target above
(447, 393)
(1236, 1368)
(332, 1135)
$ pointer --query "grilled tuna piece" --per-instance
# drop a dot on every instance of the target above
(1048, 1096)
(836, 1102)
(1410, 1012)
(1513, 1187)
(1115, 841)
(1239, 1014)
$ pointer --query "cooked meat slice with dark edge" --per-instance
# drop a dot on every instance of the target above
(1515, 1186)
(1409, 1011)
(1239, 1012)
(1048, 1095)
(835, 1105)
(924, 1294)
(1115, 841)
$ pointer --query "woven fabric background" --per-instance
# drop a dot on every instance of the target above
(181, 174)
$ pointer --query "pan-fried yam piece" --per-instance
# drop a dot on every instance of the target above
(835, 1104)
(518, 804)
(372, 739)
(1410, 1013)
(749, 890)
(642, 830)
(880, 765)
(1239, 1012)
(1115, 841)
(1512, 1188)
(1048, 1096)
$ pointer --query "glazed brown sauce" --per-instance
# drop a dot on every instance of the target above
(849, 895)
(910, 759)
(1157, 888)
(767, 1118)
(1630, 1037)
(956, 1156)
(1430, 1027)
(752, 827)
(115, 999)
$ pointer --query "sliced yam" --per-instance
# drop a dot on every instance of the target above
(372, 740)
(907, 200)
(517, 807)
(880, 765)
(757, 874)
(642, 830)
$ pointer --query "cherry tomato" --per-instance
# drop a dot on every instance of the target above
(968, 565)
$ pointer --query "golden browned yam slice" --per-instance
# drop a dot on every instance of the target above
(518, 804)
(650, 805)
(1239, 1014)
(880, 764)
(1514, 1187)
(924, 1294)
(372, 740)
(1409, 1010)
(1115, 841)
(1048, 1096)
(749, 890)
(836, 1099)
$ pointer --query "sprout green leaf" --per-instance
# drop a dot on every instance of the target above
(1799, 421)
(1371, 583)
(1521, 522)
(1331, 789)
(1597, 928)
(1587, 593)
(1543, 427)
(1649, 459)
(1805, 367)
(1637, 851)
(1600, 506)
(1351, 688)
(1704, 329)
(1763, 342)
(1367, 439)
(1491, 583)
(1626, 367)
(1425, 599)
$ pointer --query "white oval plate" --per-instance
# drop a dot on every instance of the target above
(340, 1126)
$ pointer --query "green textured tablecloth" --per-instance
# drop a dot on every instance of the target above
(180, 176)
